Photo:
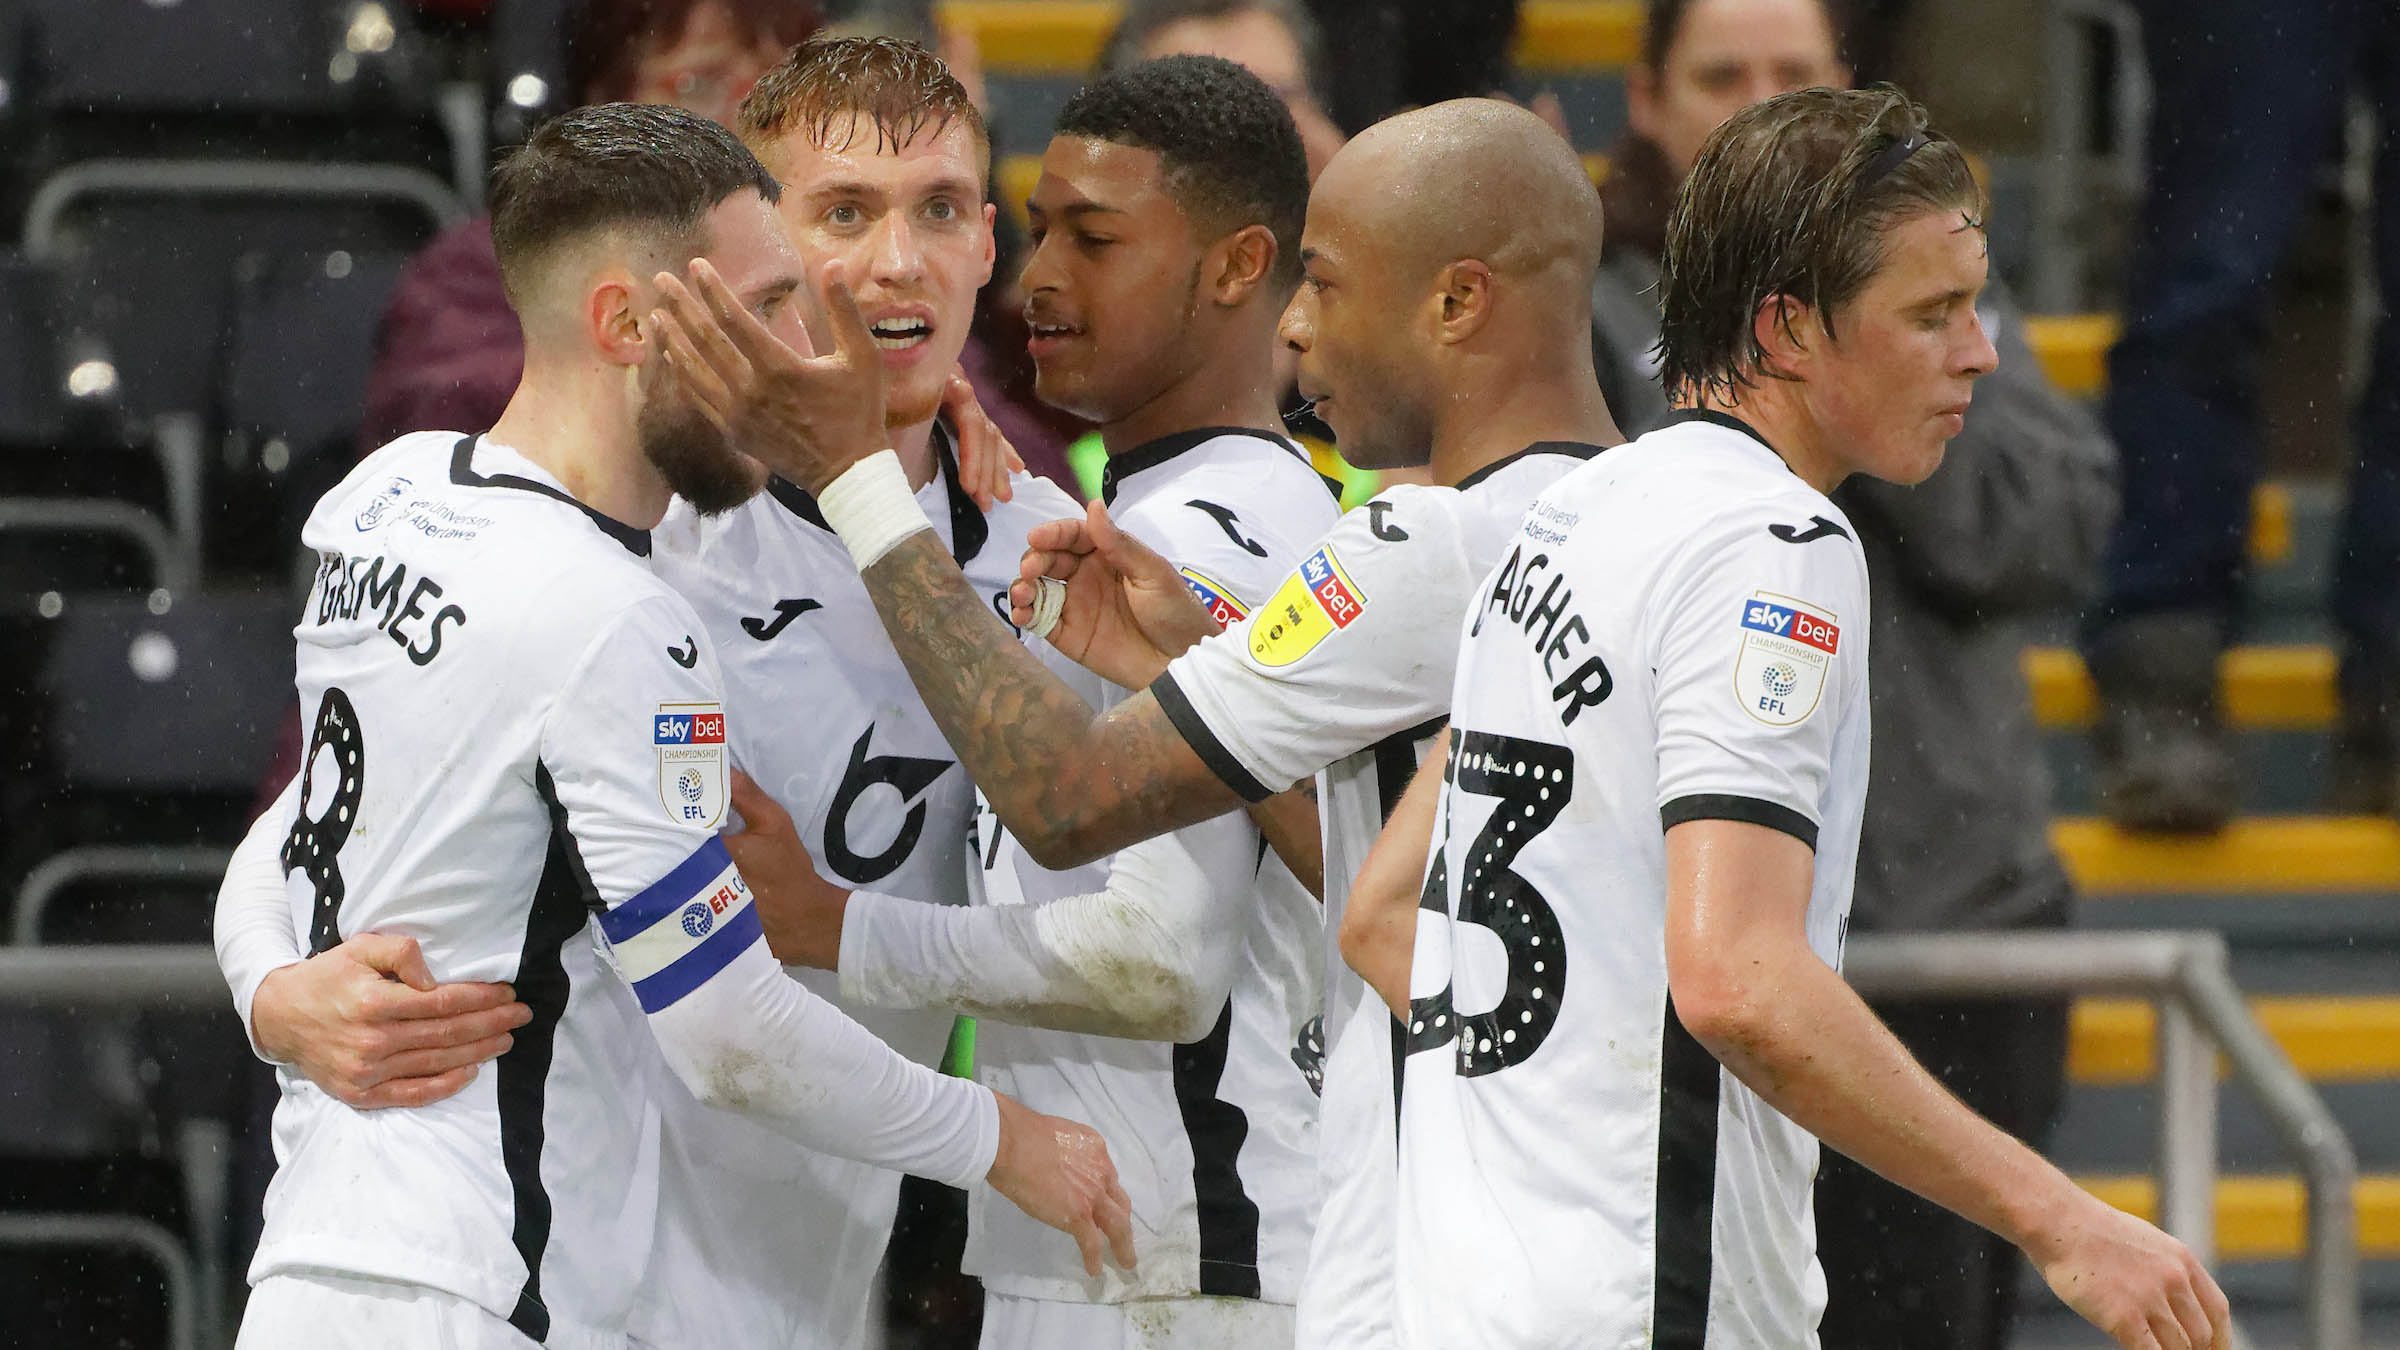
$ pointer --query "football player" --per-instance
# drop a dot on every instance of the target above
(518, 738)
(1165, 227)
(1442, 320)
(1627, 1026)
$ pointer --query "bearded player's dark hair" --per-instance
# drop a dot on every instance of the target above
(1226, 146)
(615, 166)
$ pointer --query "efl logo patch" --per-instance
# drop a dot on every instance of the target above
(1218, 601)
(1313, 603)
(1787, 648)
(692, 782)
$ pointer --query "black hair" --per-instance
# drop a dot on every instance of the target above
(1225, 143)
(611, 165)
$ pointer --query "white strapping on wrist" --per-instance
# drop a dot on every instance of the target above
(872, 507)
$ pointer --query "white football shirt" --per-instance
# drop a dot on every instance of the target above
(517, 743)
(1347, 675)
(1215, 1141)
(1677, 632)
(763, 1242)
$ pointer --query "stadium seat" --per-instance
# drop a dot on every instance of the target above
(300, 347)
(304, 78)
(527, 53)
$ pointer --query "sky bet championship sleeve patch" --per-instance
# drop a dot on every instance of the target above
(1312, 603)
(1787, 647)
(1218, 601)
(669, 939)
(691, 762)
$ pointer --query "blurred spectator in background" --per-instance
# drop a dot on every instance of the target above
(2248, 98)
(1407, 53)
(449, 351)
(1956, 833)
(1276, 40)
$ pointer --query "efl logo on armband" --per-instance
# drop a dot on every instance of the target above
(671, 938)
(1787, 647)
(692, 782)
(1218, 601)
(1313, 603)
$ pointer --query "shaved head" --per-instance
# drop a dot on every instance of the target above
(1470, 178)
(1441, 244)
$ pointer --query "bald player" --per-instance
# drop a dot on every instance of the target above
(1442, 320)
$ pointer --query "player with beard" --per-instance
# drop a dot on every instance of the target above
(885, 159)
(1165, 226)
(1440, 322)
(518, 735)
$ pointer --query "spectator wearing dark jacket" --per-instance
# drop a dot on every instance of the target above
(1956, 832)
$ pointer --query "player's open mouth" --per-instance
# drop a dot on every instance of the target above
(898, 335)
(1044, 337)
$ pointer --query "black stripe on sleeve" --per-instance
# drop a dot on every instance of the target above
(1228, 1216)
(1179, 710)
(562, 899)
(1687, 1189)
(1733, 806)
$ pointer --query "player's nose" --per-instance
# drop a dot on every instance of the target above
(899, 256)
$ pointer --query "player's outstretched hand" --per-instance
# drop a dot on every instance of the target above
(367, 1022)
(808, 415)
(2142, 1287)
(800, 910)
(985, 458)
(1125, 611)
(1059, 1172)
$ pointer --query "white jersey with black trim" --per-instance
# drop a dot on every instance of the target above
(1678, 632)
(1347, 675)
(517, 743)
(1215, 1141)
(763, 1242)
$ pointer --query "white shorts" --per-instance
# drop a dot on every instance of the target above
(1197, 1323)
(336, 1312)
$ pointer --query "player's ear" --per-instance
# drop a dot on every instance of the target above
(991, 244)
(1241, 263)
(612, 318)
(1782, 327)
(1463, 300)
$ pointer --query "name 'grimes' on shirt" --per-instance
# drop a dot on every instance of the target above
(1562, 635)
(347, 586)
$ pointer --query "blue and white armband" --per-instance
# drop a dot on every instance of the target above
(689, 925)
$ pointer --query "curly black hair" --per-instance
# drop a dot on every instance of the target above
(1226, 145)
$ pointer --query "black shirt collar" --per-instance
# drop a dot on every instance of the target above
(462, 472)
(1578, 449)
(1722, 419)
(1151, 454)
(969, 531)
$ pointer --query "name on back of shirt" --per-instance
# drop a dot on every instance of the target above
(351, 585)
(1559, 634)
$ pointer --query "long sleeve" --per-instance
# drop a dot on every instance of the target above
(254, 932)
(1151, 958)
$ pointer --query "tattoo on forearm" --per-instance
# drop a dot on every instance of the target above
(1055, 773)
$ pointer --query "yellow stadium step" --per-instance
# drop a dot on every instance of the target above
(1064, 37)
(2073, 349)
(2113, 1041)
(2262, 688)
(2260, 1218)
(2283, 855)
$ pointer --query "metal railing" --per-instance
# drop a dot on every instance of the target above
(2185, 974)
(113, 862)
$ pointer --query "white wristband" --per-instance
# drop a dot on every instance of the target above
(872, 507)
